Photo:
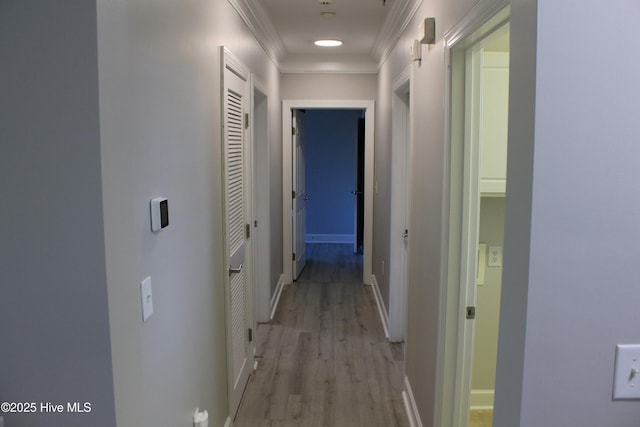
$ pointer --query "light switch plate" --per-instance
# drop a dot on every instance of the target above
(495, 256)
(626, 381)
(146, 298)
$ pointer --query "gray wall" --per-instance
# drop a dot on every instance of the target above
(54, 339)
(159, 67)
(574, 154)
(429, 175)
(485, 344)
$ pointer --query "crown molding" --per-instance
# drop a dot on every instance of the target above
(259, 23)
(401, 14)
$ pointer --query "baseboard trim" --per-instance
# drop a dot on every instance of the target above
(384, 317)
(410, 405)
(482, 399)
(329, 238)
(229, 422)
(275, 298)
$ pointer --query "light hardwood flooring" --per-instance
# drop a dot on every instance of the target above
(324, 359)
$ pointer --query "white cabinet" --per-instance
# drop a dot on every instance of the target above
(494, 100)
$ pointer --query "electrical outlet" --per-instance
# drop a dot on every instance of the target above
(146, 297)
(495, 256)
(626, 381)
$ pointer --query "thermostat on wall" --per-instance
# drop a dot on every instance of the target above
(159, 213)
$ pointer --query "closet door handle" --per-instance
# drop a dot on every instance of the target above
(235, 270)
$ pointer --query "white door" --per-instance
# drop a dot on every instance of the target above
(299, 193)
(237, 251)
(400, 208)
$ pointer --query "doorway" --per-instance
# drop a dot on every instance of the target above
(479, 64)
(400, 204)
(334, 176)
(290, 175)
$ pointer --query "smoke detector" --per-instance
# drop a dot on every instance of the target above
(325, 2)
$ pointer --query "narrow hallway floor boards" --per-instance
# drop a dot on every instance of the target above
(324, 359)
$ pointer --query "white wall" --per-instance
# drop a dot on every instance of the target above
(54, 334)
(328, 86)
(159, 67)
(570, 288)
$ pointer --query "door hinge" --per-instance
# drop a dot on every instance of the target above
(255, 223)
(248, 230)
(246, 120)
(471, 312)
(250, 334)
(294, 256)
(293, 194)
(293, 130)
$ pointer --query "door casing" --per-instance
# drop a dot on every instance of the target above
(400, 203)
(287, 181)
(455, 344)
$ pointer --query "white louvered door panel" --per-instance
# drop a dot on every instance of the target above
(239, 351)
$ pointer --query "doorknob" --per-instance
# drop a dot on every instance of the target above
(306, 197)
(235, 270)
(405, 234)
(356, 193)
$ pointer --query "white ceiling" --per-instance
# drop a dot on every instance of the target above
(288, 28)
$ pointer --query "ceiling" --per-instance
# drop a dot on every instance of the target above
(288, 28)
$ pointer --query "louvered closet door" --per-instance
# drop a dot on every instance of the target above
(239, 351)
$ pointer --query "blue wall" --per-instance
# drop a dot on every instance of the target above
(331, 139)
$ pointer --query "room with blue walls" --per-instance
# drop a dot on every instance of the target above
(331, 167)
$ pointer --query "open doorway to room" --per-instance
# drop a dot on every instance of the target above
(332, 184)
(328, 170)
(334, 175)
(479, 116)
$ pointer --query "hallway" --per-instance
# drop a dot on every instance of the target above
(324, 360)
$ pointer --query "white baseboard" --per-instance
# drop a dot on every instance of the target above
(329, 238)
(410, 405)
(275, 298)
(229, 422)
(384, 317)
(481, 399)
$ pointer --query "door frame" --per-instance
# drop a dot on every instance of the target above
(261, 165)
(455, 343)
(287, 185)
(401, 147)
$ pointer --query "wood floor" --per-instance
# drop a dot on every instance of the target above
(324, 359)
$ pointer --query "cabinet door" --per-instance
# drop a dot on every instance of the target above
(494, 121)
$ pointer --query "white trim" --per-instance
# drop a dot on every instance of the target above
(482, 399)
(275, 298)
(287, 232)
(262, 212)
(402, 136)
(410, 405)
(261, 26)
(228, 422)
(384, 317)
(401, 14)
(330, 238)
(473, 20)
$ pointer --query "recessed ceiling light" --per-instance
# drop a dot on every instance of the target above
(328, 43)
